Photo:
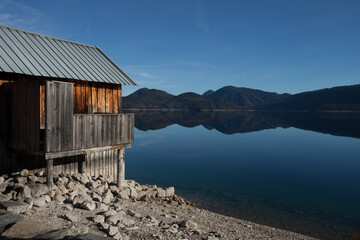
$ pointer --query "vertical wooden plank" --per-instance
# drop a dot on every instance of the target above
(102, 99)
(58, 118)
(108, 130)
(120, 99)
(108, 98)
(89, 105)
(49, 115)
(62, 117)
(36, 114)
(42, 106)
(77, 99)
(87, 131)
(83, 98)
(115, 99)
(94, 99)
(69, 115)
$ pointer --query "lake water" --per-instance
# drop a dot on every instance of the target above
(295, 171)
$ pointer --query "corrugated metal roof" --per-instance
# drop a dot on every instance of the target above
(35, 54)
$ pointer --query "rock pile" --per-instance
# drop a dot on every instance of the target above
(84, 207)
(21, 192)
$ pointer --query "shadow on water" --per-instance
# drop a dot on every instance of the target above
(295, 212)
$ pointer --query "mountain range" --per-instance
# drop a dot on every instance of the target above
(344, 98)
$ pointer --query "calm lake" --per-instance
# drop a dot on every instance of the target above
(295, 171)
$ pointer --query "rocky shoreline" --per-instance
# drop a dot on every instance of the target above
(84, 207)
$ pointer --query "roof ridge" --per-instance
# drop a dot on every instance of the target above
(46, 36)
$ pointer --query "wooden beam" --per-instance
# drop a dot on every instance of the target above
(53, 155)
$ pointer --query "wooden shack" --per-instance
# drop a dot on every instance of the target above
(61, 100)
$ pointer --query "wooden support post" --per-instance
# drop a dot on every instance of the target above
(81, 163)
(121, 169)
(49, 173)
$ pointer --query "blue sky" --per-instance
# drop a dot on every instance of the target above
(180, 46)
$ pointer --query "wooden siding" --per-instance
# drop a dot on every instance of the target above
(59, 117)
(97, 164)
(99, 130)
(96, 98)
(22, 113)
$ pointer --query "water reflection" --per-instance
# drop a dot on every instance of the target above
(283, 177)
(338, 124)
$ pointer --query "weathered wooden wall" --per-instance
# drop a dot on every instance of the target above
(92, 97)
(21, 114)
(59, 117)
(102, 130)
(102, 163)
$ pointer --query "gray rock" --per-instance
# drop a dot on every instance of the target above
(29, 201)
(132, 213)
(4, 197)
(70, 217)
(133, 193)
(11, 195)
(2, 179)
(80, 198)
(110, 213)
(114, 188)
(70, 186)
(22, 180)
(170, 191)
(115, 219)
(56, 234)
(96, 197)
(7, 217)
(84, 229)
(188, 224)
(152, 219)
(3, 186)
(103, 226)
(40, 201)
(112, 231)
(100, 189)
(24, 192)
(127, 222)
(107, 197)
(212, 238)
(123, 194)
(91, 237)
(59, 198)
(102, 206)
(24, 173)
(87, 205)
(16, 207)
(99, 219)
(161, 193)
(40, 173)
(39, 190)
(31, 180)
(148, 192)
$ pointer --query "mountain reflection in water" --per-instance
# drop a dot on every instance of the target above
(339, 124)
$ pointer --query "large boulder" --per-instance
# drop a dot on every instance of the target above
(16, 207)
(88, 205)
(23, 192)
(7, 217)
(39, 190)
